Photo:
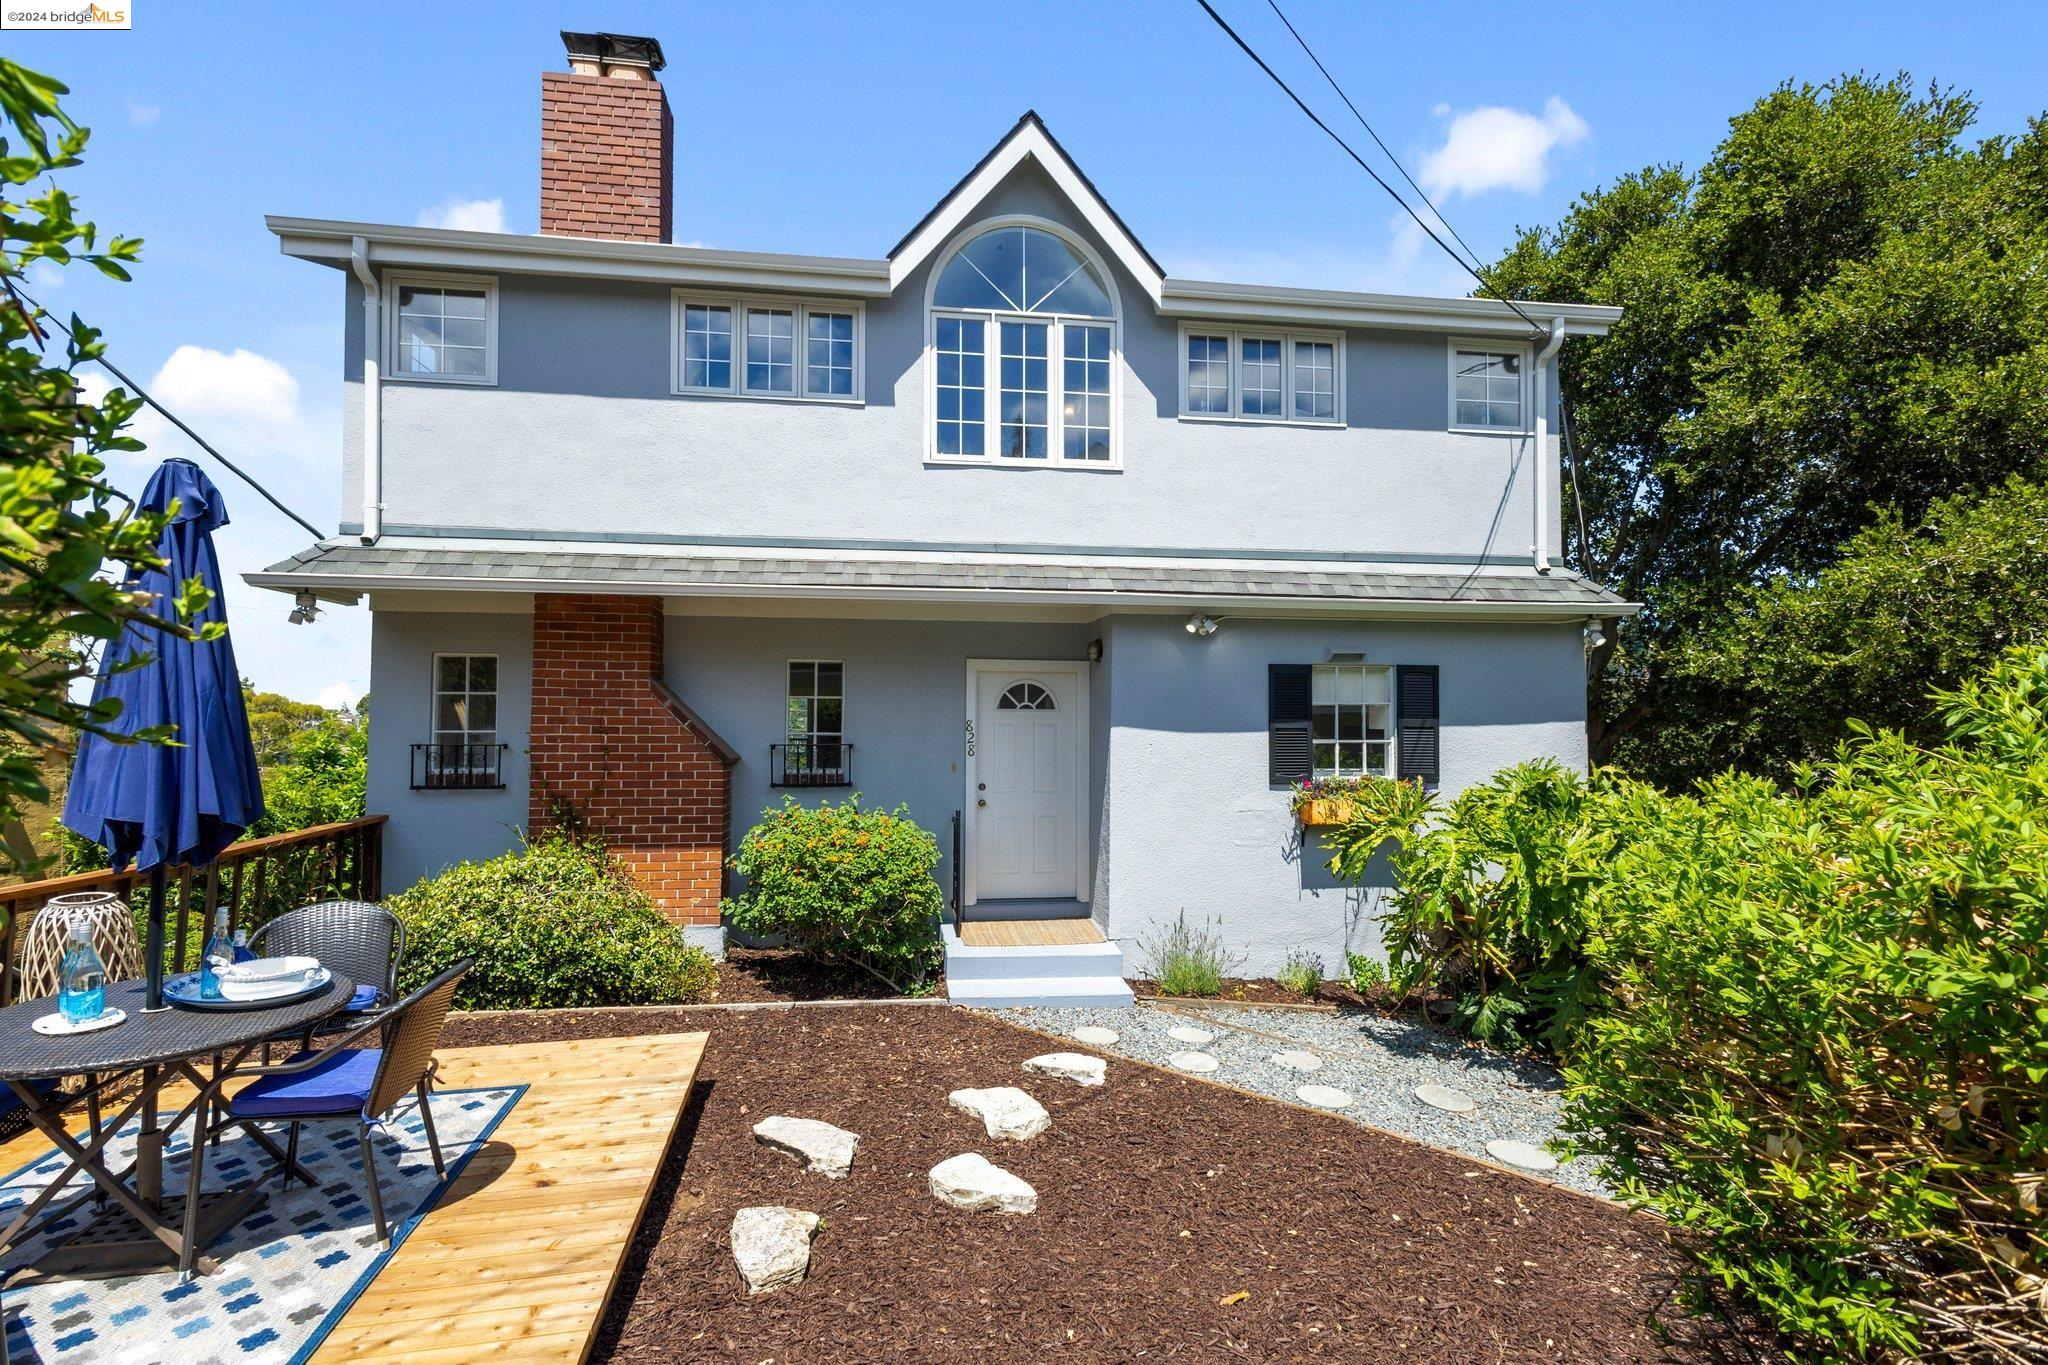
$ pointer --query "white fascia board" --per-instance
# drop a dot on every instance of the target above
(334, 587)
(390, 245)
(1207, 299)
(1029, 141)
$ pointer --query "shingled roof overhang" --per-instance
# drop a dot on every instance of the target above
(343, 571)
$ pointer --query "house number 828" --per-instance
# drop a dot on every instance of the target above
(970, 739)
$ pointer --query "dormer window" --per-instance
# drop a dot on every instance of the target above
(1023, 353)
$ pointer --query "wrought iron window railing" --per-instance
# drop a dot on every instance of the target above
(458, 764)
(810, 763)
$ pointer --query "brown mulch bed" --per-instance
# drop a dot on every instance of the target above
(1162, 1199)
(1265, 990)
(751, 975)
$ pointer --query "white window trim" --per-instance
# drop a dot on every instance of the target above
(434, 693)
(1393, 772)
(992, 387)
(1286, 336)
(813, 733)
(1055, 361)
(680, 299)
(1452, 346)
(393, 280)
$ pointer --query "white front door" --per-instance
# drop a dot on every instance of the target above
(1027, 788)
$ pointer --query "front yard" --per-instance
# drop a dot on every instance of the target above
(1176, 1218)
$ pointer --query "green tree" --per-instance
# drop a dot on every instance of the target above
(1904, 611)
(315, 762)
(68, 539)
(1842, 317)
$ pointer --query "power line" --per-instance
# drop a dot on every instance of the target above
(1302, 105)
(1420, 193)
(176, 421)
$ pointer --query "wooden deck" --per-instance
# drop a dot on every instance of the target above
(1029, 933)
(517, 1260)
(518, 1257)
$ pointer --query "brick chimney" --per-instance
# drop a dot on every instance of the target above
(607, 141)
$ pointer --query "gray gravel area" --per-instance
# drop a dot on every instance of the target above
(1378, 1060)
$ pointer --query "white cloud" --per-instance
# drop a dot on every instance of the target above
(338, 696)
(240, 387)
(1496, 148)
(470, 215)
(142, 115)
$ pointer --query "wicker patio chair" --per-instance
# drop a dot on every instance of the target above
(365, 1084)
(361, 940)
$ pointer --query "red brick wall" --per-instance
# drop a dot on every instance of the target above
(609, 746)
(607, 154)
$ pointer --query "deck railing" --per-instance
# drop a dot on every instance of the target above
(256, 880)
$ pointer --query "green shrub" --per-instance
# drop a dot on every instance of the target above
(1808, 1026)
(1301, 974)
(1367, 972)
(843, 883)
(1490, 903)
(1185, 961)
(553, 925)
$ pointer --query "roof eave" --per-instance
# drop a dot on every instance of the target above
(393, 245)
(350, 587)
(1214, 300)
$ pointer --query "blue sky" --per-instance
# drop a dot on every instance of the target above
(830, 128)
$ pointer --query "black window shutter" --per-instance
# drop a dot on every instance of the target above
(1415, 713)
(1289, 757)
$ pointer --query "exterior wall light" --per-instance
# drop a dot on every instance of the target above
(305, 607)
(1201, 627)
(1595, 637)
(1095, 651)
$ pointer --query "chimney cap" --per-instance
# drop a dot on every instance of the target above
(615, 49)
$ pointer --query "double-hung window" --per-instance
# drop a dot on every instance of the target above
(442, 328)
(1351, 720)
(1023, 354)
(1488, 387)
(767, 348)
(1256, 375)
(464, 749)
(814, 753)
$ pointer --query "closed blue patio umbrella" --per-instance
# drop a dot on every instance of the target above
(162, 805)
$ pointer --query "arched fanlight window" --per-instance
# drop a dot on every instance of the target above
(1024, 696)
(1023, 336)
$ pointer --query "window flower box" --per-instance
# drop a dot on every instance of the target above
(1328, 802)
(1317, 814)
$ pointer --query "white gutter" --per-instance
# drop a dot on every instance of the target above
(1541, 548)
(373, 417)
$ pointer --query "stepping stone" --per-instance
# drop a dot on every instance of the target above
(820, 1146)
(1183, 1033)
(972, 1181)
(771, 1245)
(1004, 1110)
(1096, 1036)
(1527, 1155)
(1445, 1098)
(1323, 1096)
(1294, 1059)
(1077, 1067)
(1192, 1061)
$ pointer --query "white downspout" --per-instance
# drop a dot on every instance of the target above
(1541, 548)
(373, 421)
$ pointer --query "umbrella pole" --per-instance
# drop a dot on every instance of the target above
(153, 972)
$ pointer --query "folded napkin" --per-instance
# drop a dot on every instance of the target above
(262, 969)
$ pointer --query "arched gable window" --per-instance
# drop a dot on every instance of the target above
(1024, 340)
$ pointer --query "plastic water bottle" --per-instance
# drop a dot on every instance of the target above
(81, 977)
(219, 953)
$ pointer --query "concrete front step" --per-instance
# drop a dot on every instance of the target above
(1045, 992)
(1042, 974)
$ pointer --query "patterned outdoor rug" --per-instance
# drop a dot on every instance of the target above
(287, 1272)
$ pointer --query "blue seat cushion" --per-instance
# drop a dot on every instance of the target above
(365, 997)
(339, 1083)
(10, 1103)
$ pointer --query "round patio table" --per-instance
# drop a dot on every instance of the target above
(154, 1043)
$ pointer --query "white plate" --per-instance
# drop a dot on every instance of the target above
(265, 969)
(57, 1026)
(251, 992)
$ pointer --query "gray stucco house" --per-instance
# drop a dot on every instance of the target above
(1087, 564)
